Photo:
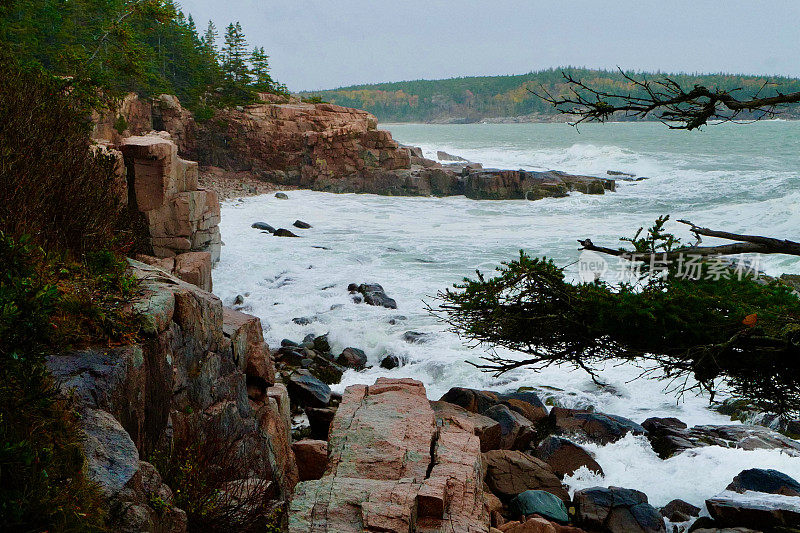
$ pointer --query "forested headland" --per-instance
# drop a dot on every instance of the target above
(149, 47)
(473, 99)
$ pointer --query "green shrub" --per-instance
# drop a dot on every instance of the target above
(214, 485)
(316, 99)
(739, 335)
(203, 114)
(61, 286)
(42, 485)
(51, 186)
(120, 124)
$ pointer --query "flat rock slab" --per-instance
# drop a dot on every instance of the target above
(390, 468)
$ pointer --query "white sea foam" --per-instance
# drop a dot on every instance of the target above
(415, 247)
(694, 475)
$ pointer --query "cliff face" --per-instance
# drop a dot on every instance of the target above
(297, 142)
(198, 365)
(331, 148)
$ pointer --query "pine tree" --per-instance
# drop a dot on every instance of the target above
(234, 55)
(259, 67)
(210, 40)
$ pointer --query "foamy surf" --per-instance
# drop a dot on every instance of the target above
(415, 247)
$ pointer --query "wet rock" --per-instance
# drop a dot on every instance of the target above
(472, 400)
(391, 361)
(391, 469)
(764, 480)
(375, 295)
(526, 403)
(487, 429)
(670, 436)
(326, 370)
(287, 342)
(616, 510)
(281, 196)
(302, 225)
(319, 420)
(312, 458)
(415, 337)
(516, 431)
(511, 472)
(565, 457)
(353, 358)
(282, 232)
(239, 300)
(321, 343)
(303, 320)
(598, 427)
(305, 389)
(263, 226)
(444, 156)
(759, 511)
(395, 319)
(539, 502)
(290, 355)
(679, 511)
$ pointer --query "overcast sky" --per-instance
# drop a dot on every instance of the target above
(322, 44)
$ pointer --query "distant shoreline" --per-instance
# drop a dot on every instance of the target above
(520, 120)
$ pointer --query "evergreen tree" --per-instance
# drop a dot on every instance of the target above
(259, 67)
(210, 40)
(234, 55)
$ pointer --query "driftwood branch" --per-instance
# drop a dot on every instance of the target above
(665, 99)
(750, 244)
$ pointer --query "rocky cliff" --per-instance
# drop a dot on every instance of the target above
(328, 148)
(197, 368)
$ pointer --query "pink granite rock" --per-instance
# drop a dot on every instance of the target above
(392, 469)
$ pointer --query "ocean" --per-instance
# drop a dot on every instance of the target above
(740, 178)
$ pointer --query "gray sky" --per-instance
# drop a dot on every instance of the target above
(322, 44)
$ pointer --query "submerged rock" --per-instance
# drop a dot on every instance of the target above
(391, 361)
(263, 226)
(373, 294)
(282, 232)
(415, 337)
(670, 436)
(281, 196)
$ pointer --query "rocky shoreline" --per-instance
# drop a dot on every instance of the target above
(286, 143)
(380, 457)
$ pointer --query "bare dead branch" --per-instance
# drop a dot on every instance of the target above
(665, 100)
